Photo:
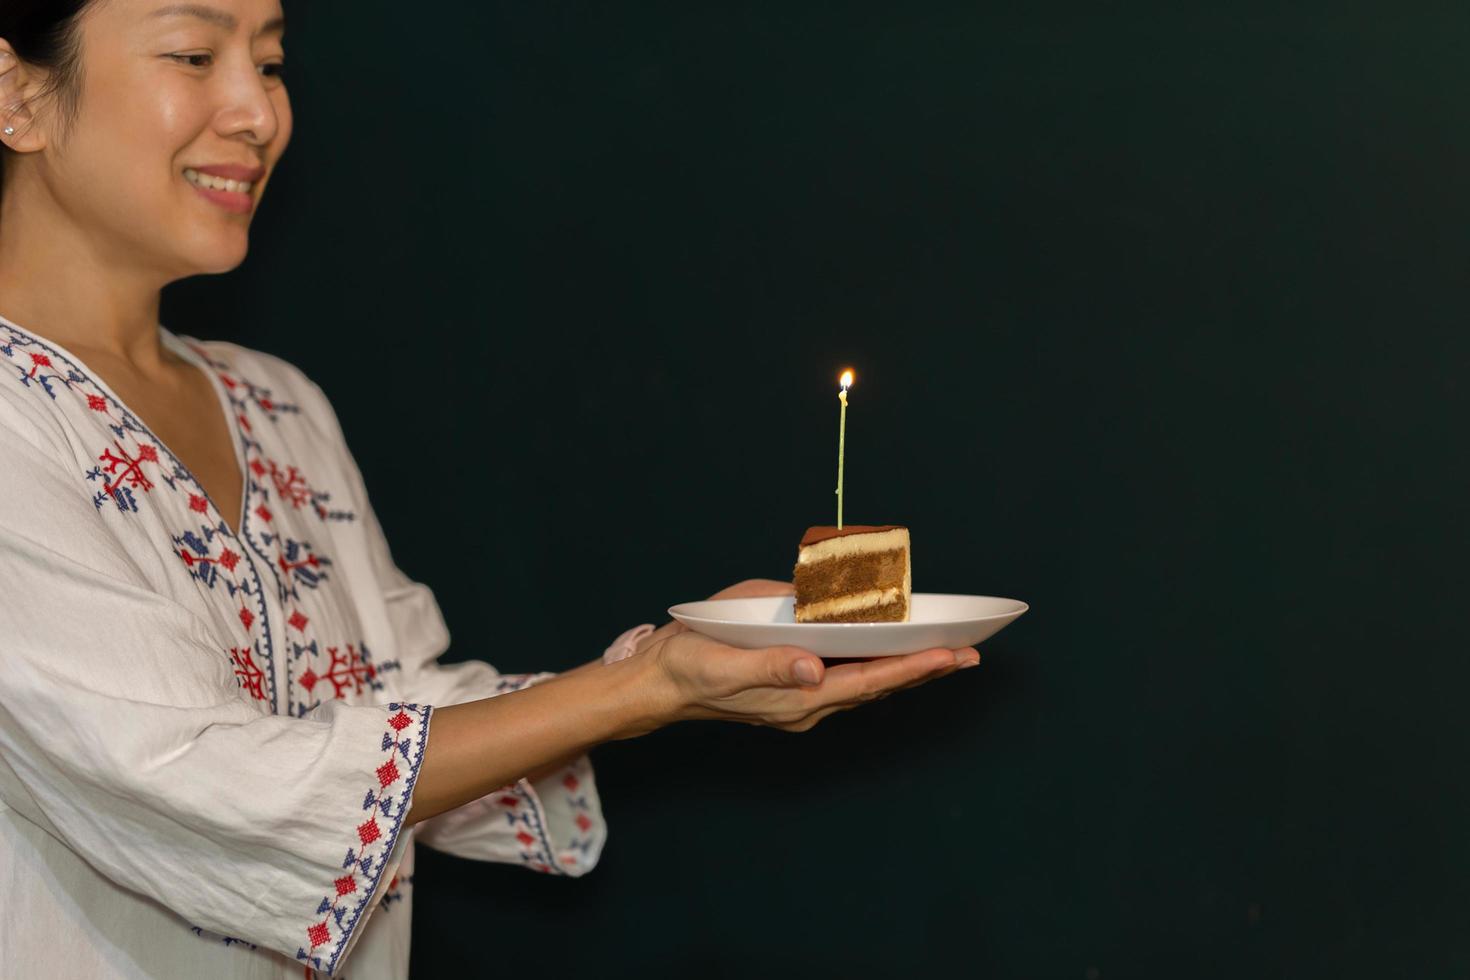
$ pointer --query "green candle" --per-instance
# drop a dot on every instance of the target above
(842, 440)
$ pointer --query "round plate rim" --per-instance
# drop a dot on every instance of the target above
(1024, 608)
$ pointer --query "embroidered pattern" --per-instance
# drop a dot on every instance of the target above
(295, 564)
(124, 472)
(284, 537)
(223, 940)
(349, 671)
(250, 676)
(585, 823)
(390, 787)
(524, 818)
(394, 891)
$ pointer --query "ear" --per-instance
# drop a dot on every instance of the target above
(19, 83)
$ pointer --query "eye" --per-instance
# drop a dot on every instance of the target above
(194, 60)
(273, 69)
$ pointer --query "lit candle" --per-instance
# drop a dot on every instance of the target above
(842, 440)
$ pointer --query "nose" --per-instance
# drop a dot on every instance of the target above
(247, 110)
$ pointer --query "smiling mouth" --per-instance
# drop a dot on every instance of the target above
(210, 183)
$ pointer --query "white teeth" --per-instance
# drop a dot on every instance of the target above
(217, 183)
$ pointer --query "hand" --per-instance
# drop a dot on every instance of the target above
(782, 687)
(749, 589)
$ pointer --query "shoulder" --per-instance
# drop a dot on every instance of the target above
(271, 383)
(38, 378)
(245, 370)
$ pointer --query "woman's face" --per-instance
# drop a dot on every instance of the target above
(170, 91)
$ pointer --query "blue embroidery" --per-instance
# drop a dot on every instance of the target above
(121, 464)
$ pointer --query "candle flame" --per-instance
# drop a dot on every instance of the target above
(846, 380)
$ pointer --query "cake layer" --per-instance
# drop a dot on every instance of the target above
(855, 573)
(852, 540)
(875, 606)
(859, 574)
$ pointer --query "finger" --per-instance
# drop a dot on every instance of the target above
(943, 673)
(811, 720)
(882, 693)
(772, 667)
(861, 681)
(754, 588)
(671, 628)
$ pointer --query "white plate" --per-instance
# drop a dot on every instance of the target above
(934, 621)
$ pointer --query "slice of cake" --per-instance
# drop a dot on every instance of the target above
(859, 574)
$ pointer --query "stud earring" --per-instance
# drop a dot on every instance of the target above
(9, 130)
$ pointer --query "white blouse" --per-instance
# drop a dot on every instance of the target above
(209, 738)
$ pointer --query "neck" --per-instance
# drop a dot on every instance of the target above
(71, 284)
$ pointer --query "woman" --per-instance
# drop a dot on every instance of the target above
(217, 688)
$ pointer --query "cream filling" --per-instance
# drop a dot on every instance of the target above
(847, 603)
(854, 544)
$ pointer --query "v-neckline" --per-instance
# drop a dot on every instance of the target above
(181, 347)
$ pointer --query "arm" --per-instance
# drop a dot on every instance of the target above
(478, 747)
(681, 676)
(747, 588)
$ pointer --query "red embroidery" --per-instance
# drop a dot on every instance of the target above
(252, 678)
(311, 561)
(375, 842)
(537, 847)
(291, 486)
(369, 832)
(132, 474)
(347, 672)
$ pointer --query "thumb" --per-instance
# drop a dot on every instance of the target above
(795, 667)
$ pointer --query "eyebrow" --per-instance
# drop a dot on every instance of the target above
(214, 15)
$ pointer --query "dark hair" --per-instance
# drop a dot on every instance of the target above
(44, 35)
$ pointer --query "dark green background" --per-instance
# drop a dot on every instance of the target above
(1160, 322)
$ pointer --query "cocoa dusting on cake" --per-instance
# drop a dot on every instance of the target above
(814, 535)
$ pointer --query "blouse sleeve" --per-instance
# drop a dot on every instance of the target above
(553, 824)
(124, 734)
